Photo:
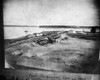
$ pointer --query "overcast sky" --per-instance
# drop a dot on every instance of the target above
(50, 12)
(47, 12)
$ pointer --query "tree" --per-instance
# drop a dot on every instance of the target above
(93, 30)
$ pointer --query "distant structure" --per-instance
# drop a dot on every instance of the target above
(63, 35)
(30, 35)
(37, 34)
(98, 30)
(71, 31)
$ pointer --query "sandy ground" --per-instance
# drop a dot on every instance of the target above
(71, 43)
(70, 46)
(47, 75)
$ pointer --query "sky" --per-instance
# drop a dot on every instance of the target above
(47, 12)
(50, 12)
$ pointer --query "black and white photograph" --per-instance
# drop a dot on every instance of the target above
(51, 37)
(56, 49)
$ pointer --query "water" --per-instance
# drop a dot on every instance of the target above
(15, 32)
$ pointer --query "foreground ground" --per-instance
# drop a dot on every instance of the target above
(71, 55)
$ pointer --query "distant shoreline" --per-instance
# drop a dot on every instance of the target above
(52, 26)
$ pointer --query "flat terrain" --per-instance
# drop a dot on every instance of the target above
(71, 55)
(46, 75)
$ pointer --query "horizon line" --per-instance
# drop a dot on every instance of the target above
(52, 26)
